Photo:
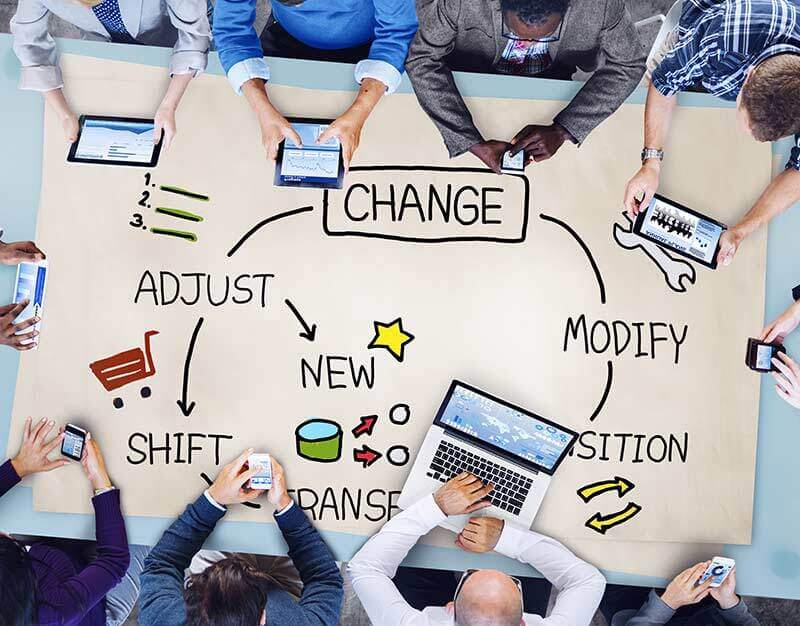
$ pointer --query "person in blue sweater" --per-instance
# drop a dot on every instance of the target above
(232, 590)
(373, 34)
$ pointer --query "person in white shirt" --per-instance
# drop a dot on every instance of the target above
(483, 597)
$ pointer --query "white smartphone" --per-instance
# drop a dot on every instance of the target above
(718, 570)
(262, 480)
(30, 285)
(513, 164)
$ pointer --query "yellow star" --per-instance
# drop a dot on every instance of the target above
(392, 337)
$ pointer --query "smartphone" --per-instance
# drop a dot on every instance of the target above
(262, 480)
(513, 164)
(759, 355)
(74, 442)
(717, 570)
(30, 285)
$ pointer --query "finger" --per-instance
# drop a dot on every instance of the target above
(291, 133)
(480, 504)
(469, 479)
(26, 339)
(31, 246)
(531, 143)
(18, 308)
(31, 321)
(769, 333)
(470, 531)
(238, 463)
(790, 362)
(272, 150)
(25, 347)
(158, 131)
(248, 495)
(245, 477)
(647, 198)
(484, 491)
(783, 383)
(53, 444)
(37, 429)
(522, 135)
(783, 393)
(461, 477)
(55, 465)
(330, 132)
(169, 133)
(26, 431)
(786, 371)
(461, 545)
(629, 200)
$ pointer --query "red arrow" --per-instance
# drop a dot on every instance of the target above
(366, 425)
(366, 455)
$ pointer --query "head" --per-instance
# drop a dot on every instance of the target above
(533, 19)
(231, 592)
(769, 101)
(18, 590)
(488, 598)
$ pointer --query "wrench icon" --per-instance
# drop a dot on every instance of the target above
(674, 270)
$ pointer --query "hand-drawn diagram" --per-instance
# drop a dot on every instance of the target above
(392, 337)
(126, 367)
(366, 456)
(183, 403)
(319, 440)
(366, 425)
(144, 201)
(603, 523)
(678, 273)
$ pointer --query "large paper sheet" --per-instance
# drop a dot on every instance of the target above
(657, 387)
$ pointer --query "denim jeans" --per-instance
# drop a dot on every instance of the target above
(122, 598)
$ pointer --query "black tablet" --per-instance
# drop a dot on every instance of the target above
(115, 141)
(312, 164)
(680, 229)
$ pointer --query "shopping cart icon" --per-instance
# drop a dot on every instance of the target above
(126, 367)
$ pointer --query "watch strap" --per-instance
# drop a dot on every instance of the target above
(796, 293)
(97, 492)
(652, 153)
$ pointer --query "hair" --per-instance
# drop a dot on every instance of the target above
(231, 592)
(771, 97)
(534, 12)
(18, 587)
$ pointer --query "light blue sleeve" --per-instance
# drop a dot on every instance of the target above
(237, 42)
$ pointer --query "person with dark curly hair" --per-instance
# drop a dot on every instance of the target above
(240, 589)
(543, 38)
(747, 51)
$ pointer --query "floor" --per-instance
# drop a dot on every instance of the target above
(770, 612)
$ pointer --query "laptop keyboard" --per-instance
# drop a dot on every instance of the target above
(510, 488)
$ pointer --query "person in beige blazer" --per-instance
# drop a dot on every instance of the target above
(182, 24)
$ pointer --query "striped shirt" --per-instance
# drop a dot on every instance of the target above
(719, 40)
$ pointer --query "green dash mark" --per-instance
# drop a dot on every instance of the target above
(184, 215)
(182, 234)
(183, 192)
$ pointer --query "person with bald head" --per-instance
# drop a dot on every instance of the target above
(482, 597)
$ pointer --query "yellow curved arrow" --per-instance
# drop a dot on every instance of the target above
(602, 524)
(595, 489)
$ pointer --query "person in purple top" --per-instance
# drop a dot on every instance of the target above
(46, 583)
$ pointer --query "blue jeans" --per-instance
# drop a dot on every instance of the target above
(122, 598)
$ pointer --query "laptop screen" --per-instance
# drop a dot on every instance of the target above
(511, 429)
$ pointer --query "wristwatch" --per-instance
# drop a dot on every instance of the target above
(796, 293)
(97, 492)
(652, 153)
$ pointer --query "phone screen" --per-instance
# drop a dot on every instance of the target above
(764, 353)
(262, 480)
(718, 571)
(73, 443)
(514, 163)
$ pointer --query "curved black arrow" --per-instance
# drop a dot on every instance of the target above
(263, 223)
(183, 403)
(588, 252)
(609, 380)
(308, 333)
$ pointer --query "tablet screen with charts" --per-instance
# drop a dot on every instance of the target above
(312, 164)
(115, 141)
(680, 229)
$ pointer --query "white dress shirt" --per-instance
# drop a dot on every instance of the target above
(183, 23)
(579, 585)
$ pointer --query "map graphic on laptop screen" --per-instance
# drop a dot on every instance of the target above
(515, 432)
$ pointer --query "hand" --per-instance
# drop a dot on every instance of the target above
(539, 142)
(684, 590)
(277, 495)
(33, 453)
(94, 466)
(481, 534)
(462, 494)
(491, 153)
(69, 123)
(165, 126)
(788, 387)
(347, 128)
(645, 184)
(274, 129)
(728, 245)
(781, 327)
(725, 594)
(230, 485)
(20, 252)
(9, 330)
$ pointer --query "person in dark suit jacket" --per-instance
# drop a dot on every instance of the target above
(544, 38)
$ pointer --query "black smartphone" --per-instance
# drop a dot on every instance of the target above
(74, 442)
(759, 355)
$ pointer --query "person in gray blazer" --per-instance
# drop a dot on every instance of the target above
(182, 24)
(543, 38)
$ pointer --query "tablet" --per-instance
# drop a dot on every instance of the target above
(115, 141)
(311, 165)
(682, 230)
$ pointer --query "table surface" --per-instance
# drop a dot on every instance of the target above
(770, 566)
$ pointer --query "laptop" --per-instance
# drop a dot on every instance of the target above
(514, 449)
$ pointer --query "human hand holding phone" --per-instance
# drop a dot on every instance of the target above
(684, 590)
(20, 252)
(33, 453)
(277, 495)
(94, 466)
(230, 485)
(14, 335)
(777, 331)
(725, 594)
(491, 153)
(787, 378)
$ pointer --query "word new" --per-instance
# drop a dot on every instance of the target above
(618, 336)
(336, 372)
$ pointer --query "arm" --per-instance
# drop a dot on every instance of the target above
(34, 451)
(238, 44)
(579, 585)
(162, 578)
(190, 53)
(433, 80)
(373, 567)
(8, 477)
(654, 612)
(35, 47)
(611, 84)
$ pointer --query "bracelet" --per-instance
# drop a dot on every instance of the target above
(652, 153)
(102, 490)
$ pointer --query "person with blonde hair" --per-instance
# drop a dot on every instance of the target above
(180, 23)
